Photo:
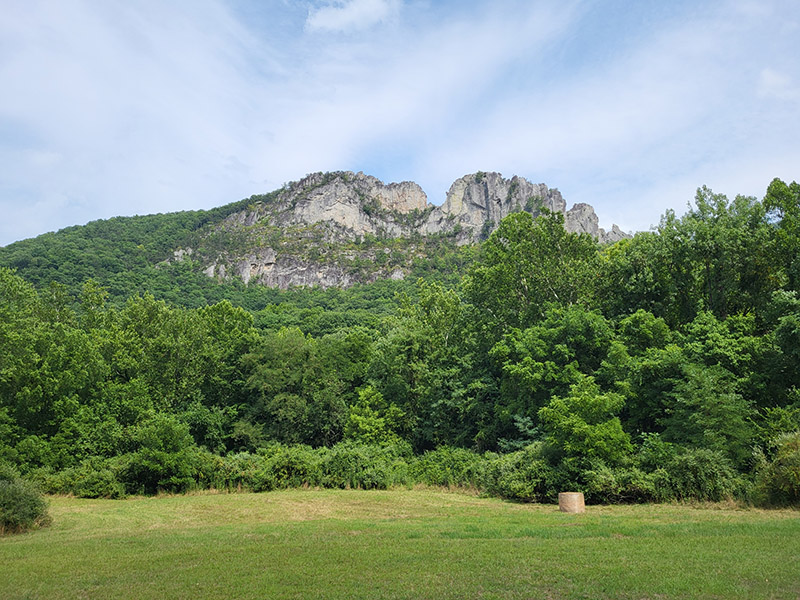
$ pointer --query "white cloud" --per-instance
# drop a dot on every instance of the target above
(638, 134)
(140, 107)
(351, 15)
(124, 110)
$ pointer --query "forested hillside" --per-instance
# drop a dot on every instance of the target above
(662, 366)
(328, 230)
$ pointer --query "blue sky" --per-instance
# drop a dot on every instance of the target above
(142, 106)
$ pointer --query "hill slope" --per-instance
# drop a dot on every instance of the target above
(327, 230)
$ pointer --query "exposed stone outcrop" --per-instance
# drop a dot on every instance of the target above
(581, 218)
(609, 237)
(358, 204)
(478, 202)
(326, 210)
(402, 197)
(182, 253)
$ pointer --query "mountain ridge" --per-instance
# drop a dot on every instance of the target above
(344, 207)
(332, 229)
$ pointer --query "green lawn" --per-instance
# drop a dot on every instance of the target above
(309, 544)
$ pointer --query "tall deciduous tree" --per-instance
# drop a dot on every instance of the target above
(527, 265)
(718, 257)
(782, 202)
(708, 413)
(583, 424)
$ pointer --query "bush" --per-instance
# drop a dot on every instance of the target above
(22, 506)
(778, 482)
(698, 474)
(93, 478)
(287, 467)
(523, 475)
(164, 457)
(448, 467)
(240, 471)
(149, 471)
(351, 465)
(620, 485)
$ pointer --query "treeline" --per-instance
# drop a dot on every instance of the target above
(664, 366)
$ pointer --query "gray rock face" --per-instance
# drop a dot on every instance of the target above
(477, 203)
(581, 218)
(609, 237)
(358, 204)
(331, 208)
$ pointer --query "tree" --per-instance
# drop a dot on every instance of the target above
(421, 365)
(706, 412)
(782, 203)
(527, 265)
(583, 424)
(372, 420)
(718, 257)
(164, 456)
(298, 398)
(545, 360)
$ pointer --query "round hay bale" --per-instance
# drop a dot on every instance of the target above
(571, 502)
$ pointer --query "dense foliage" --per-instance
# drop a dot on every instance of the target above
(136, 255)
(666, 366)
(22, 506)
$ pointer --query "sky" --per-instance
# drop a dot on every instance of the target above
(126, 107)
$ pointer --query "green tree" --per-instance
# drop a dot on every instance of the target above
(372, 420)
(299, 398)
(422, 364)
(527, 265)
(782, 202)
(718, 257)
(546, 360)
(583, 424)
(707, 412)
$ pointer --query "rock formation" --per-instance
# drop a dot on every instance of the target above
(479, 202)
(356, 203)
(295, 236)
(581, 218)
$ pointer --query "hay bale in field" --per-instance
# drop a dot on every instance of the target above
(571, 502)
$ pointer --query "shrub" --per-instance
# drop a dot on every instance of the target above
(240, 471)
(93, 478)
(287, 467)
(523, 475)
(149, 471)
(351, 465)
(447, 466)
(778, 482)
(619, 485)
(164, 457)
(698, 474)
(22, 506)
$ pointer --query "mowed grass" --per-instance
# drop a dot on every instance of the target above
(397, 544)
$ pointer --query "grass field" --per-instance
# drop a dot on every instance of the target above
(397, 544)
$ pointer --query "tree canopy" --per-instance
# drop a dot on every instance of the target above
(661, 358)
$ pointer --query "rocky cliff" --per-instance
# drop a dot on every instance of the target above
(337, 229)
(477, 203)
